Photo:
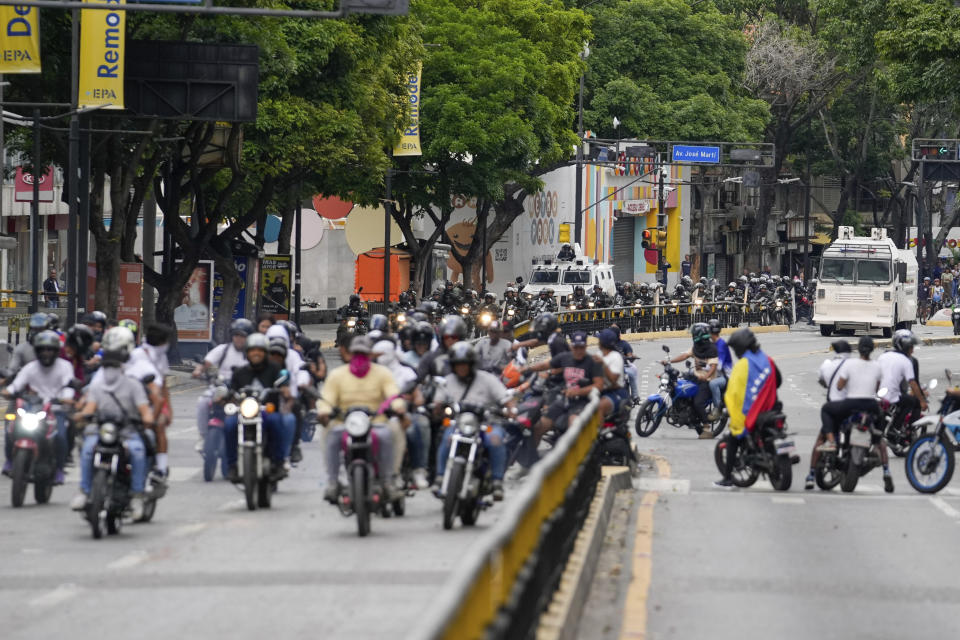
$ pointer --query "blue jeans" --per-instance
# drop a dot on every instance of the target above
(138, 462)
(418, 441)
(278, 430)
(717, 385)
(492, 442)
(631, 372)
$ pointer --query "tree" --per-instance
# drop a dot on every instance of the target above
(669, 71)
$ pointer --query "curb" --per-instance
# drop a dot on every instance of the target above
(559, 621)
(659, 335)
(928, 342)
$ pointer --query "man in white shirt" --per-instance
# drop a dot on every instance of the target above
(828, 378)
(221, 361)
(614, 392)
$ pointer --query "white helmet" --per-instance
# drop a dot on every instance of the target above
(117, 344)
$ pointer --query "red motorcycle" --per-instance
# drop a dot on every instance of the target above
(33, 428)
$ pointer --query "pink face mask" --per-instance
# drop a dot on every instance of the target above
(360, 364)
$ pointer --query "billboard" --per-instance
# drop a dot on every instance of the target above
(130, 295)
(19, 39)
(23, 186)
(274, 286)
(239, 309)
(193, 315)
(102, 54)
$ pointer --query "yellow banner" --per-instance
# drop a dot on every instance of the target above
(20, 39)
(409, 144)
(102, 49)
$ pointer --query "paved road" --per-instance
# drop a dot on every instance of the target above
(208, 568)
(754, 563)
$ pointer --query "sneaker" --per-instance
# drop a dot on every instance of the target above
(136, 507)
(888, 482)
(7, 468)
(392, 489)
(79, 501)
(233, 475)
(706, 434)
(295, 454)
(59, 477)
(435, 488)
(827, 447)
(420, 479)
(714, 415)
(199, 447)
(498, 490)
(332, 493)
(723, 483)
(809, 482)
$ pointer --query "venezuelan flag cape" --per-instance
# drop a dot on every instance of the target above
(761, 390)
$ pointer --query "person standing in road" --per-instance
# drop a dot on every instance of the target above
(51, 287)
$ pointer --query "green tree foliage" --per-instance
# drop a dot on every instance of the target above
(669, 71)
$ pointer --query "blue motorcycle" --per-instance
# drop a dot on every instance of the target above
(673, 401)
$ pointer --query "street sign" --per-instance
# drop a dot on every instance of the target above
(635, 207)
(687, 153)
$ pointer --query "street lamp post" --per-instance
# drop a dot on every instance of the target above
(578, 218)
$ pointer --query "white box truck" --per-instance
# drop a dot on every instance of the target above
(866, 283)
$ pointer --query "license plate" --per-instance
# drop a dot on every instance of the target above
(859, 438)
(785, 447)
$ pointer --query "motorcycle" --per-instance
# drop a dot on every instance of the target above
(766, 450)
(467, 478)
(673, 401)
(955, 319)
(33, 428)
(832, 466)
(254, 467)
(614, 439)
(110, 490)
(362, 494)
(930, 461)
(350, 326)
(900, 439)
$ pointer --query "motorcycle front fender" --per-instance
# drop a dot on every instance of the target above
(26, 443)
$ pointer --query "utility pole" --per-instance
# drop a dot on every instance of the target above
(298, 234)
(35, 217)
(578, 218)
(387, 219)
(661, 219)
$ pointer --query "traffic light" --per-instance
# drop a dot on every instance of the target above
(647, 239)
(564, 234)
(661, 237)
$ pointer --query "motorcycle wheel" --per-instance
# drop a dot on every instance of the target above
(361, 507)
(250, 477)
(451, 501)
(20, 474)
(42, 490)
(718, 426)
(212, 446)
(850, 477)
(264, 493)
(919, 457)
(400, 506)
(782, 475)
(114, 523)
(742, 476)
(647, 420)
(826, 477)
(95, 508)
(470, 512)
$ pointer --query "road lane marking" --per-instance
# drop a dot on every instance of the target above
(663, 485)
(945, 508)
(61, 594)
(188, 529)
(183, 474)
(787, 500)
(128, 561)
(635, 608)
(233, 504)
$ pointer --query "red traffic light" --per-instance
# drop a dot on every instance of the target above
(647, 241)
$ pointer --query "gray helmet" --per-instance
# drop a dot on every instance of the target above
(117, 344)
(904, 340)
(453, 325)
(257, 341)
(379, 322)
(46, 344)
(277, 346)
(463, 353)
(241, 327)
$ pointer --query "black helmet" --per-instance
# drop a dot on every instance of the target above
(97, 316)
(241, 327)
(742, 340)
(354, 299)
(453, 325)
(46, 345)
(578, 290)
(544, 325)
(423, 333)
(379, 322)
(418, 316)
(865, 346)
(80, 337)
(904, 340)
(840, 346)
(714, 325)
(644, 287)
(406, 333)
(463, 353)
(292, 329)
(700, 331)
(558, 345)
(54, 321)
(686, 281)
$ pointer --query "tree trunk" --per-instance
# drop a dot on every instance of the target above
(108, 275)
(287, 218)
(232, 282)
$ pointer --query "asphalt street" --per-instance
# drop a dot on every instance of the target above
(753, 563)
(208, 568)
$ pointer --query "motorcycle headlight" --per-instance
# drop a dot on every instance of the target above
(357, 424)
(230, 409)
(664, 378)
(108, 433)
(401, 318)
(468, 424)
(779, 304)
(30, 421)
(351, 322)
(509, 312)
(485, 319)
(249, 408)
(465, 310)
(590, 304)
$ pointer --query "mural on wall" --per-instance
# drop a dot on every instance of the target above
(461, 230)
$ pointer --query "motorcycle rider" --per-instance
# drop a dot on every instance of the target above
(278, 428)
(751, 390)
(900, 373)
(706, 364)
(453, 330)
(354, 308)
(358, 383)
(579, 298)
(379, 327)
(422, 341)
(493, 351)
(614, 380)
(115, 397)
(49, 377)
(222, 359)
(600, 299)
(150, 359)
(827, 377)
(719, 382)
(466, 384)
(23, 352)
(860, 379)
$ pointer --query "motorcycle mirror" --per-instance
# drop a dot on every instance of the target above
(666, 349)
(932, 384)
(282, 380)
(689, 364)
